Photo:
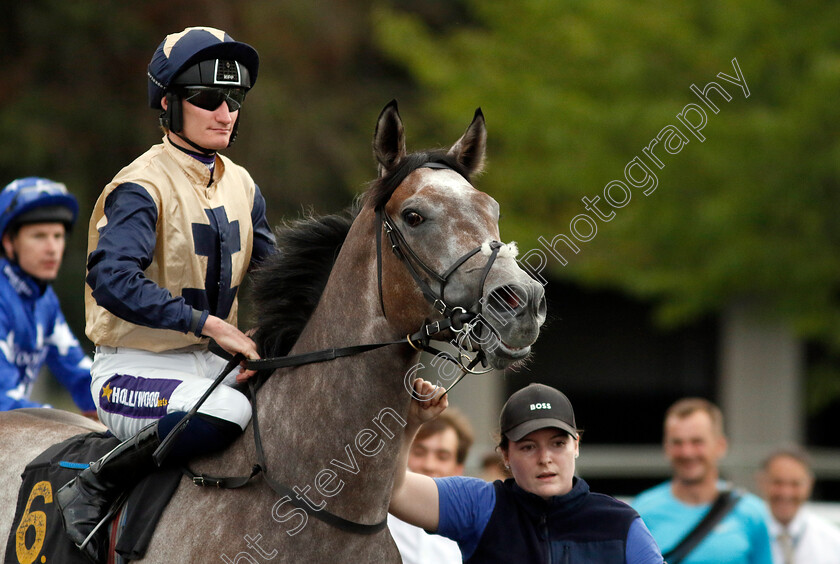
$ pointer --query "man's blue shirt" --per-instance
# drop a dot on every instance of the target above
(740, 538)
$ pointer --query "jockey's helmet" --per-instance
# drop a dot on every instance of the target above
(36, 200)
(200, 57)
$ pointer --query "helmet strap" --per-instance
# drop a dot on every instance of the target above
(233, 132)
(203, 150)
(171, 118)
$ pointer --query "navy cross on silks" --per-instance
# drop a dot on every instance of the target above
(217, 295)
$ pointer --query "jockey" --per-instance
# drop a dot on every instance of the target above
(170, 240)
(35, 216)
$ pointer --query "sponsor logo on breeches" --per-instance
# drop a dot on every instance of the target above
(133, 396)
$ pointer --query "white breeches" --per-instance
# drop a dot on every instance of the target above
(133, 387)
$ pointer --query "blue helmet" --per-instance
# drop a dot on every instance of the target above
(36, 200)
(177, 58)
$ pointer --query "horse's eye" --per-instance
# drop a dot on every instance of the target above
(412, 218)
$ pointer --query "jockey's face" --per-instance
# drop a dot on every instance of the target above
(38, 248)
(210, 129)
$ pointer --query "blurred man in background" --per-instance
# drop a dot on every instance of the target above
(35, 216)
(493, 467)
(694, 444)
(439, 450)
(798, 535)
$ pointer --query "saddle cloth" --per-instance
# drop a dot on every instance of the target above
(37, 534)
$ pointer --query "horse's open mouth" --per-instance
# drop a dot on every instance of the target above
(493, 345)
(513, 353)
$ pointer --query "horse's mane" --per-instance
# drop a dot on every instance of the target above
(288, 285)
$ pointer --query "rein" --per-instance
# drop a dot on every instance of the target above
(286, 492)
(456, 319)
(419, 339)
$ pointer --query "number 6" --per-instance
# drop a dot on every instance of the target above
(37, 519)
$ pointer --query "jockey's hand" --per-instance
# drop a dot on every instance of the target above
(92, 415)
(428, 401)
(233, 341)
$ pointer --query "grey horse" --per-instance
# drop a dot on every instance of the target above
(331, 431)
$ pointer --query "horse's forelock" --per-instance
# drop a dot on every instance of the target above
(380, 190)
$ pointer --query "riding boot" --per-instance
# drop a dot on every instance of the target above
(86, 499)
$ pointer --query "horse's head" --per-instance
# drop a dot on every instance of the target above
(446, 243)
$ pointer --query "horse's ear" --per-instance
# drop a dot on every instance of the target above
(469, 149)
(389, 138)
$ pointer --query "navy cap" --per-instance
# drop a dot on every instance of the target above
(178, 52)
(534, 407)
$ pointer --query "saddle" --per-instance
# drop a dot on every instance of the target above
(37, 534)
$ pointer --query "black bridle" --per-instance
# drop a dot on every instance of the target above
(458, 319)
(409, 258)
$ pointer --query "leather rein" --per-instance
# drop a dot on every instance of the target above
(456, 319)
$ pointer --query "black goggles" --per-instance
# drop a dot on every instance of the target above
(211, 97)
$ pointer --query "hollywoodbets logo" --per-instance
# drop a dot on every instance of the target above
(137, 397)
(133, 398)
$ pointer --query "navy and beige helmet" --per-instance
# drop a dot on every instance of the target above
(198, 56)
(36, 200)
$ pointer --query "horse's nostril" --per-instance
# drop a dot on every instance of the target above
(507, 301)
(510, 298)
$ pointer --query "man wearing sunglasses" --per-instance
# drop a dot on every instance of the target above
(170, 241)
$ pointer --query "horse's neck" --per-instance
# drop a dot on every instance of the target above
(347, 415)
(349, 307)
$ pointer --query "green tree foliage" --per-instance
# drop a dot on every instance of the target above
(573, 91)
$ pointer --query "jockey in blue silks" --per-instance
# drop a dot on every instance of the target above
(35, 216)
